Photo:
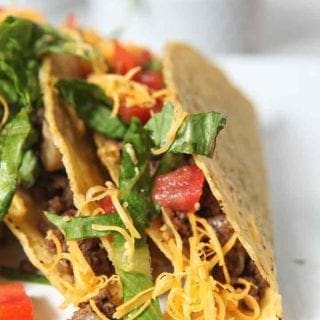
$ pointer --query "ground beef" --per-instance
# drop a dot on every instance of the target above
(96, 256)
(238, 262)
(61, 201)
(159, 262)
(84, 313)
(181, 222)
(103, 303)
(252, 274)
(209, 206)
(44, 226)
(222, 227)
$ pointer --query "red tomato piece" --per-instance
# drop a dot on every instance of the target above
(14, 303)
(180, 189)
(107, 205)
(123, 59)
(144, 114)
(158, 106)
(143, 57)
(126, 113)
(152, 79)
(71, 21)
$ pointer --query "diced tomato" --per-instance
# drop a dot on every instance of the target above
(152, 79)
(180, 189)
(158, 106)
(71, 21)
(143, 57)
(144, 114)
(107, 205)
(123, 59)
(126, 113)
(14, 303)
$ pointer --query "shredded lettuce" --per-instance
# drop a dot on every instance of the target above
(135, 190)
(197, 134)
(56, 42)
(77, 228)
(92, 106)
(153, 65)
(22, 43)
(135, 178)
(15, 137)
(17, 275)
(29, 168)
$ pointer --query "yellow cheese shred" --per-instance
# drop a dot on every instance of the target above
(129, 246)
(51, 236)
(97, 193)
(84, 285)
(97, 311)
(6, 111)
(192, 291)
(178, 119)
(123, 90)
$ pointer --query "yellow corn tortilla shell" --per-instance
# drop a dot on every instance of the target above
(70, 137)
(23, 219)
(236, 173)
(108, 151)
(83, 170)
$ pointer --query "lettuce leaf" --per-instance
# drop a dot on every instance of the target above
(29, 168)
(15, 274)
(15, 138)
(197, 134)
(135, 179)
(56, 42)
(92, 106)
(135, 189)
(20, 40)
(77, 228)
(138, 279)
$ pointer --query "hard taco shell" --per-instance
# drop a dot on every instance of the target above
(236, 173)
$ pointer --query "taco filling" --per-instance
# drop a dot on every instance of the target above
(119, 207)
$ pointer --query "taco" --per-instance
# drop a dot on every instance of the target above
(154, 124)
(43, 149)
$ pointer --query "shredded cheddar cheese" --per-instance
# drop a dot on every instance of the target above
(192, 291)
(126, 236)
(97, 311)
(171, 134)
(103, 45)
(97, 193)
(84, 285)
(6, 111)
(123, 91)
(51, 236)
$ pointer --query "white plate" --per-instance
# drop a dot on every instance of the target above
(286, 92)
